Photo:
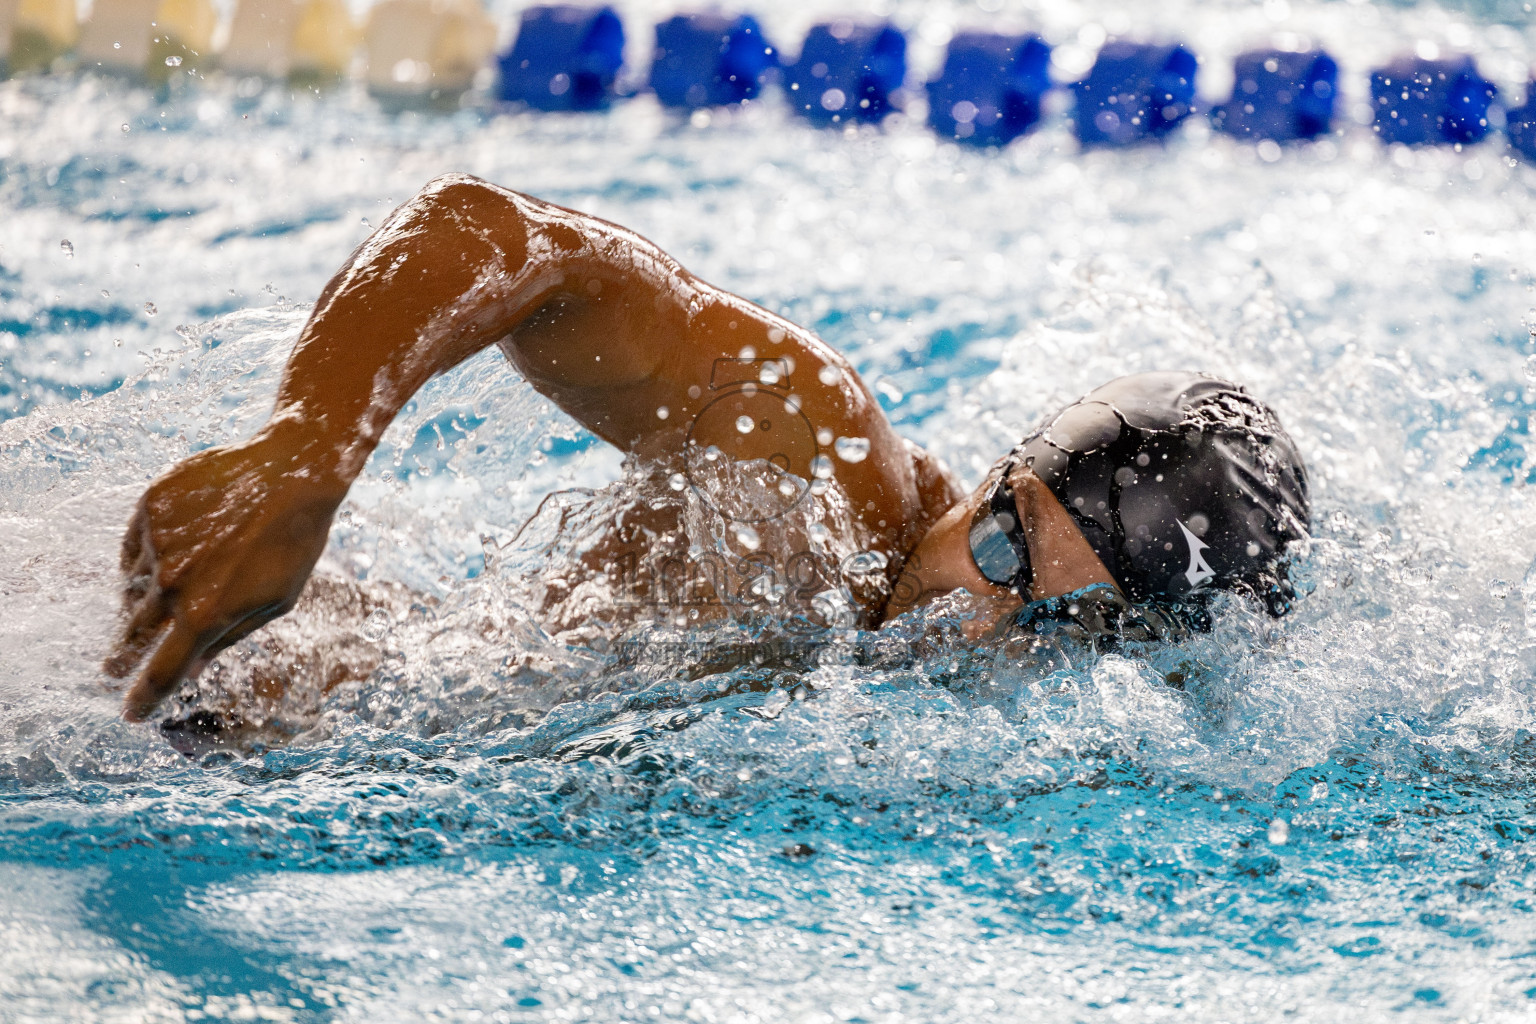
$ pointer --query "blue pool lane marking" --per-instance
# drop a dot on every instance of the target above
(710, 60)
(1280, 95)
(990, 88)
(564, 58)
(1419, 101)
(847, 71)
(1135, 92)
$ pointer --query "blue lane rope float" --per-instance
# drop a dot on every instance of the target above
(1419, 101)
(564, 58)
(847, 71)
(1280, 95)
(1520, 124)
(710, 60)
(1135, 92)
(989, 91)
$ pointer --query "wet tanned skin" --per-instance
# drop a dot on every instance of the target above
(593, 316)
(1062, 559)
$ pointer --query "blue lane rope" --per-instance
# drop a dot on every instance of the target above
(991, 87)
(1520, 125)
(847, 72)
(1280, 95)
(1134, 92)
(710, 60)
(564, 58)
(1420, 101)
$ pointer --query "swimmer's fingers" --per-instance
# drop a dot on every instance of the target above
(184, 652)
(135, 542)
(149, 612)
(137, 561)
(172, 660)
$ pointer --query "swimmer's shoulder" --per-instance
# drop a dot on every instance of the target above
(937, 489)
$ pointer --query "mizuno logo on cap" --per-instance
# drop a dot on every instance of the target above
(1198, 573)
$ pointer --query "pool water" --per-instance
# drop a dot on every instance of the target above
(1329, 817)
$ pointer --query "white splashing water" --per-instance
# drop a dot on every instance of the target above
(1095, 829)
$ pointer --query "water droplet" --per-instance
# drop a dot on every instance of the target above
(865, 563)
(67, 248)
(662, 412)
(833, 607)
(821, 467)
(173, 62)
(1279, 832)
(376, 626)
(747, 537)
(829, 375)
(787, 487)
(1499, 588)
(150, 309)
(1530, 368)
(775, 334)
(677, 481)
(1528, 595)
(125, 129)
(769, 374)
(745, 424)
(763, 587)
(1319, 791)
(852, 449)
(819, 534)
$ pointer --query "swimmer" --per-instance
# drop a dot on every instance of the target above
(1159, 487)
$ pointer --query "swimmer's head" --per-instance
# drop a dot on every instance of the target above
(1181, 483)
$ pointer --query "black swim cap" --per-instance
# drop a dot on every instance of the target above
(1181, 482)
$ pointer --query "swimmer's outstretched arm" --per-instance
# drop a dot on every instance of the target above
(600, 320)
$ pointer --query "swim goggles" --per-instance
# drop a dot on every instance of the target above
(998, 544)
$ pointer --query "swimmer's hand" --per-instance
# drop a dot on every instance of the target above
(220, 545)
